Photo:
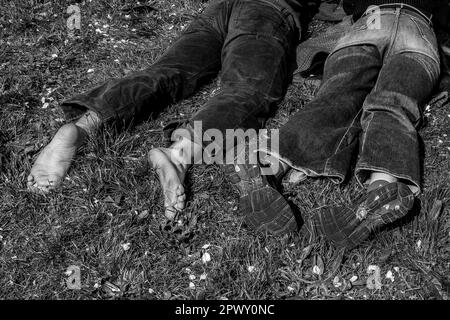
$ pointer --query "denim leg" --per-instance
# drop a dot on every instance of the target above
(192, 60)
(321, 139)
(392, 113)
(257, 64)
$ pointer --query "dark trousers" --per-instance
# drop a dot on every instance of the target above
(250, 42)
(370, 104)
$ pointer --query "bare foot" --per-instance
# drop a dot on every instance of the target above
(171, 172)
(53, 162)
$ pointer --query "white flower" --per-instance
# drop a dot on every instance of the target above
(126, 246)
(353, 279)
(206, 258)
(54, 56)
(191, 277)
(151, 291)
(203, 276)
(390, 276)
(191, 285)
(206, 246)
(68, 272)
(251, 269)
(316, 270)
(90, 70)
(336, 282)
(396, 269)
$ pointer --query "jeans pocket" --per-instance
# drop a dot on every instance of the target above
(427, 34)
(361, 25)
(211, 16)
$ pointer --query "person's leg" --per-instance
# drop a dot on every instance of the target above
(321, 139)
(191, 61)
(257, 57)
(389, 161)
(389, 149)
(204, 40)
(258, 61)
(392, 112)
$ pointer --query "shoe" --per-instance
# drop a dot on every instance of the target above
(350, 226)
(264, 207)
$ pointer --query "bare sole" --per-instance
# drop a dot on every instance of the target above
(171, 177)
(52, 164)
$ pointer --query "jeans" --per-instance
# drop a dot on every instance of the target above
(369, 106)
(252, 44)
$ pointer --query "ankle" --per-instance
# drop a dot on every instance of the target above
(88, 122)
(279, 168)
(184, 152)
(379, 179)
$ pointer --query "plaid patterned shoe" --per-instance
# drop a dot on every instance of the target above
(348, 227)
(265, 209)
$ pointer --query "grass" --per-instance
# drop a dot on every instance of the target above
(106, 217)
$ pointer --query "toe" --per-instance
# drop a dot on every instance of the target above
(54, 181)
(170, 213)
(34, 187)
(30, 183)
(42, 181)
(180, 204)
(180, 190)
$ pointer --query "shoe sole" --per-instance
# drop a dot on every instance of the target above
(342, 226)
(264, 208)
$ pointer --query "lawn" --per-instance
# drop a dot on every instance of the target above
(105, 219)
